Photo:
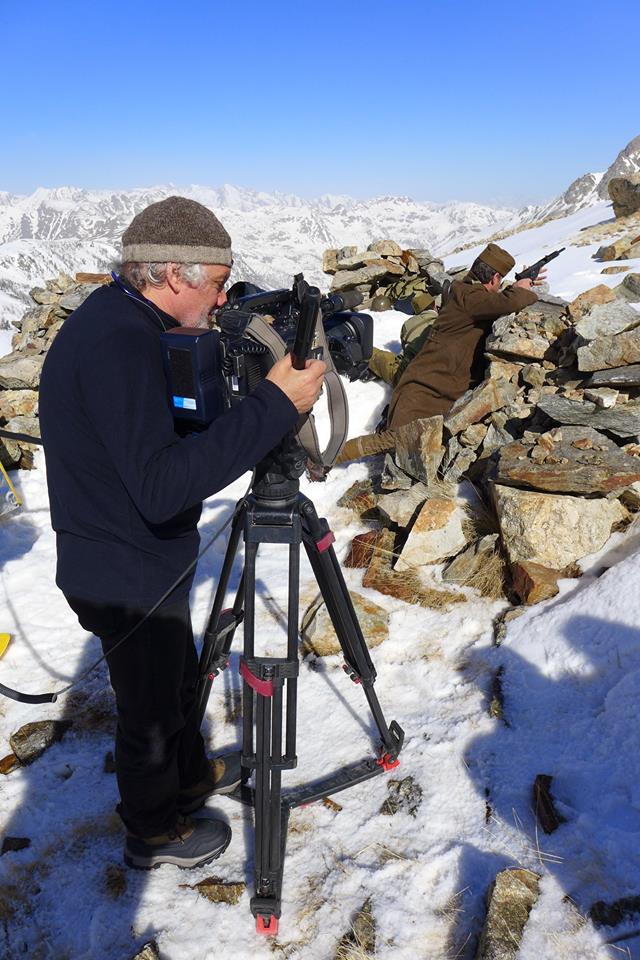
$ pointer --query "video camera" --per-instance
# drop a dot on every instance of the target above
(210, 370)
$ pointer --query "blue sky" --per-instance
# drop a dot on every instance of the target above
(491, 101)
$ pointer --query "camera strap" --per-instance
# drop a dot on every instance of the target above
(262, 331)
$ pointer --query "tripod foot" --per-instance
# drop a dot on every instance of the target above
(267, 926)
(387, 763)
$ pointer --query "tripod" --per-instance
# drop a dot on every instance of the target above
(276, 512)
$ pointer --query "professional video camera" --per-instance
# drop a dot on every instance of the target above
(210, 370)
(349, 333)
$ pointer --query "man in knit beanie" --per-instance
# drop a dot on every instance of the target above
(126, 491)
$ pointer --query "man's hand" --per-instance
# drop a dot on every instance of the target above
(526, 284)
(303, 387)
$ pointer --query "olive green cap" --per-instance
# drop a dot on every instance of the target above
(497, 258)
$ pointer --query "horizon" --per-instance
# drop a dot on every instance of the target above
(323, 99)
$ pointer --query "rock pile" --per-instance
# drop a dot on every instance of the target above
(549, 441)
(20, 370)
(385, 269)
(625, 194)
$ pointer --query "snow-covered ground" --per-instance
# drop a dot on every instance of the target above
(571, 685)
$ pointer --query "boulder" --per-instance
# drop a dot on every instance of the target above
(19, 372)
(618, 250)
(617, 351)
(318, 634)
(533, 583)
(580, 461)
(510, 901)
(399, 507)
(616, 377)
(385, 248)
(476, 404)
(348, 279)
(590, 298)
(406, 585)
(551, 529)
(437, 534)
(419, 448)
(607, 319)
(630, 287)
(625, 194)
(622, 421)
(18, 403)
(608, 271)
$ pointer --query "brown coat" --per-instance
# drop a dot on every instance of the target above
(452, 360)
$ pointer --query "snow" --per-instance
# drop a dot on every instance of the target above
(571, 681)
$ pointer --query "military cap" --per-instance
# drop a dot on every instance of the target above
(497, 258)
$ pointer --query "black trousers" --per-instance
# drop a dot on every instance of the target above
(159, 749)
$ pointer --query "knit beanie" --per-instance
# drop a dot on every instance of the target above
(176, 230)
(497, 258)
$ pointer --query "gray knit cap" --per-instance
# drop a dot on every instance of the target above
(176, 230)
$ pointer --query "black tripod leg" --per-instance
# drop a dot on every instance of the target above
(218, 635)
(318, 541)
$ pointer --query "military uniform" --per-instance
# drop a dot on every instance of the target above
(452, 359)
(415, 330)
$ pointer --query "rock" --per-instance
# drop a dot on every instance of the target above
(330, 261)
(360, 497)
(74, 298)
(499, 369)
(617, 250)
(347, 279)
(403, 586)
(546, 813)
(534, 583)
(590, 298)
(621, 421)
(604, 397)
(361, 549)
(9, 763)
(403, 795)
(18, 403)
(617, 351)
(343, 253)
(474, 435)
(319, 636)
(385, 248)
(616, 377)
(582, 461)
(625, 194)
(360, 942)
(14, 844)
(510, 900)
(149, 952)
(218, 890)
(457, 466)
(419, 448)
(399, 507)
(610, 270)
(393, 478)
(31, 740)
(436, 534)
(533, 374)
(496, 437)
(516, 345)
(611, 914)
(551, 529)
(607, 319)
(630, 287)
(18, 372)
(470, 562)
(476, 404)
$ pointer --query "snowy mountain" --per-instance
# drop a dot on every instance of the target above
(275, 235)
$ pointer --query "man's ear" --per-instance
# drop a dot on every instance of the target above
(174, 277)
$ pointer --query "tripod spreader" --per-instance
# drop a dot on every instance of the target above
(278, 514)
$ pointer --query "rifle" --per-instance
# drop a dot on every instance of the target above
(531, 273)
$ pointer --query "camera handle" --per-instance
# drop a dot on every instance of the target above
(276, 512)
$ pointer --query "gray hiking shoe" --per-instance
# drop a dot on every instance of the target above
(224, 776)
(191, 843)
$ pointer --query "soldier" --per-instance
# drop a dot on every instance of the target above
(451, 360)
(389, 366)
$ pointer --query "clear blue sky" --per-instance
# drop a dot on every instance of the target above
(490, 101)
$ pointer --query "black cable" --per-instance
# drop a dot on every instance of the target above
(52, 697)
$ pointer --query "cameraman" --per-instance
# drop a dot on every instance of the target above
(126, 494)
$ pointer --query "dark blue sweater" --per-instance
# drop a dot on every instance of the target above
(125, 489)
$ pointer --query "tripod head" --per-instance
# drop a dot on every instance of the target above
(277, 475)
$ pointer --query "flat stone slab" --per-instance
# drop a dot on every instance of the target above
(616, 377)
(437, 534)
(19, 372)
(604, 352)
(618, 420)
(419, 448)
(478, 403)
(607, 319)
(583, 461)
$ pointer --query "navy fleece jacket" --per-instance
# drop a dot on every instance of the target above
(125, 490)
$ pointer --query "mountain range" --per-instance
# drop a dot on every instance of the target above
(275, 235)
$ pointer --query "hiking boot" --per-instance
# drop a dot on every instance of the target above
(191, 843)
(225, 775)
